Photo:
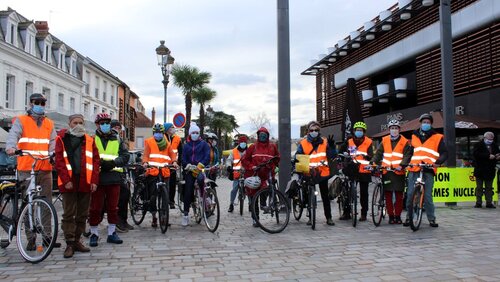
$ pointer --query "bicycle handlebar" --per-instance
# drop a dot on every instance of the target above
(259, 166)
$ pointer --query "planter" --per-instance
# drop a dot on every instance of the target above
(405, 15)
(400, 83)
(427, 2)
(355, 39)
(367, 27)
(367, 94)
(382, 89)
(386, 17)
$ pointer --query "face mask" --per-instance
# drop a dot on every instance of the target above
(105, 128)
(425, 127)
(78, 130)
(37, 109)
(488, 142)
(158, 136)
(358, 134)
(171, 131)
(262, 137)
(243, 145)
(195, 136)
(394, 132)
(314, 134)
(214, 143)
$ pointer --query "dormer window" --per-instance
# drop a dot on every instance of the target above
(12, 34)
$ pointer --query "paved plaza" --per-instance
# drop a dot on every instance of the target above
(464, 247)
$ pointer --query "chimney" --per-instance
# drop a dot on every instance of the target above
(42, 27)
(153, 116)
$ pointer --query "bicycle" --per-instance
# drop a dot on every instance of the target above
(37, 216)
(241, 191)
(205, 204)
(141, 201)
(417, 198)
(276, 211)
(348, 196)
(378, 204)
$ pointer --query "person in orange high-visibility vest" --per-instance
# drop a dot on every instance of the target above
(394, 152)
(233, 164)
(34, 133)
(320, 150)
(176, 144)
(157, 152)
(360, 147)
(428, 147)
(76, 163)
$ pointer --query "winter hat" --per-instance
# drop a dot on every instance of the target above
(242, 138)
(167, 125)
(193, 128)
(72, 117)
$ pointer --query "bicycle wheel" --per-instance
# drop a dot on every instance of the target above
(241, 197)
(271, 212)
(6, 220)
(417, 204)
(312, 205)
(354, 205)
(137, 204)
(297, 202)
(37, 230)
(211, 210)
(196, 206)
(163, 208)
(378, 205)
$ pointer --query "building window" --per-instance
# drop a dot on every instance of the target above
(12, 34)
(87, 82)
(112, 96)
(139, 142)
(47, 55)
(27, 93)
(111, 114)
(104, 110)
(72, 105)
(60, 101)
(46, 93)
(86, 110)
(96, 110)
(96, 90)
(105, 88)
(10, 91)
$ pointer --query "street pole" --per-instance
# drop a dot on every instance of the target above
(447, 81)
(284, 141)
(165, 84)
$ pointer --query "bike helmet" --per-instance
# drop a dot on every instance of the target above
(252, 182)
(394, 123)
(360, 124)
(313, 123)
(211, 135)
(158, 128)
(426, 116)
(102, 116)
(37, 97)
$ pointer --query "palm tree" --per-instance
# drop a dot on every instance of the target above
(223, 124)
(189, 79)
(201, 96)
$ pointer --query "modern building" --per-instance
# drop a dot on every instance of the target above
(395, 59)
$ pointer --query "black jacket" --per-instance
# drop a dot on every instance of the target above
(113, 177)
(484, 168)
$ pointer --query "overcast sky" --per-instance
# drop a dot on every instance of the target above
(234, 40)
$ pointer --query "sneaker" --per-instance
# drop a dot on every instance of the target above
(397, 220)
(114, 239)
(69, 252)
(391, 219)
(121, 228)
(93, 240)
(478, 205)
(154, 223)
(79, 247)
(407, 222)
(185, 220)
(330, 222)
(345, 216)
(490, 206)
(128, 226)
(231, 208)
(433, 223)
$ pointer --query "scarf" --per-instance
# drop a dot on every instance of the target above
(162, 144)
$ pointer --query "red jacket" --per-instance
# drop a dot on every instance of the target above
(256, 154)
(62, 171)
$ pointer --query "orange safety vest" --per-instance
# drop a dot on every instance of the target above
(34, 140)
(176, 141)
(157, 158)
(317, 158)
(89, 141)
(236, 163)
(426, 152)
(392, 158)
(360, 152)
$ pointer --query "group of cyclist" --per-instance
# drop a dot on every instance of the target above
(86, 191)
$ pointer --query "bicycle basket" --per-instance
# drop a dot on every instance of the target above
(302, 166)
(334, 187)
(349, 168)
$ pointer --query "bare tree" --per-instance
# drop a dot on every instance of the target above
(260, 120)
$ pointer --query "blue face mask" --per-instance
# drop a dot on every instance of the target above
(195, 136)
(37, 109)
(426, 127)
(358, 134)
(488, 142)
(262, 137)
(313, 134)
(105, 128)
(243, 145)
(158, 136)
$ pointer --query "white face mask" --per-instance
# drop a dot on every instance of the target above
(214, 143)
(195, 136)
(78, 130)
(314, 134)
(394, 132)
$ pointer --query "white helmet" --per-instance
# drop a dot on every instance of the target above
(252, 182)
(393, 122)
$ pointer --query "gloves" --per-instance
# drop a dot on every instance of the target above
(331, 141)
(107, 165)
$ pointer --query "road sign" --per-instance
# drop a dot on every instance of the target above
(179, 120)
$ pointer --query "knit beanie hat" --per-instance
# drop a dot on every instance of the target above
(193, 128)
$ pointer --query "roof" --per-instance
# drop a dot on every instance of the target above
(142, 120)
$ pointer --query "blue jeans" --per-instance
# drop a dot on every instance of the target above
(429, 184)
(234, 191)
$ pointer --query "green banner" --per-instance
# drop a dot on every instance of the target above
(457, 185)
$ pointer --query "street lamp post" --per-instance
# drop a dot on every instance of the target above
(165, 61)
